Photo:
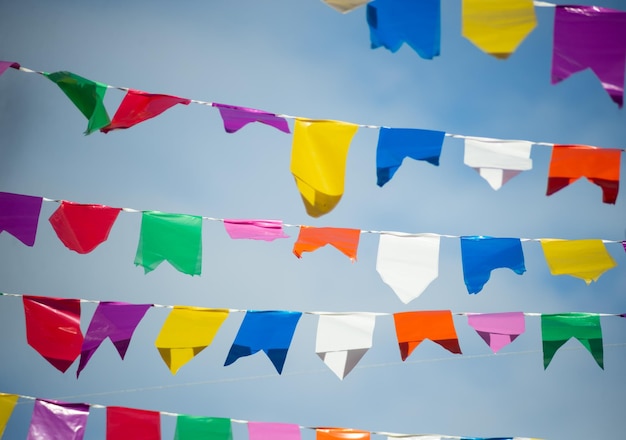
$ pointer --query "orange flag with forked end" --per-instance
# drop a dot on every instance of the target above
(437, 325)
(341, 434)
(312, 238)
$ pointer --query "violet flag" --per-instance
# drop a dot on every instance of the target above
(52, 420)
(236, 117)
(19, 216)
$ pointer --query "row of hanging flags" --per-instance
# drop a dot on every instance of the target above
(53, 329)
(407, 262)
(584, 37)
(320, 147)
(54, 419)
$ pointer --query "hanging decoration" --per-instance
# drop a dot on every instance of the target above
(191, 428)
(266, 230)
(19, 216)
(273, 431)
(58, 420)
(311, 238)
(7, 403)
(236, 117)
(126, 423)
(413, 327)
(344, 6)
(584, 259)
(557, 329)
(498, 329)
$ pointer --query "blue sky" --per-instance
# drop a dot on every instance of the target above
(305, 59)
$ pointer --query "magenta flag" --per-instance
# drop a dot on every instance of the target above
(267, 230)
(114, 320)
(235, 117)
(52, 420)
(498, 329)
(4, 65)
(19, 215)
(591, 37)
(273, 431)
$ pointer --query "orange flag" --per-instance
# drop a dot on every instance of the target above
(413, 327)
(311, 238)
(341, 434)
(599, 165)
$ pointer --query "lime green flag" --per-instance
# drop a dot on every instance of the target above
(7, 403)
(87, 95)
(190, 427)
(176, 238)
(556, 330)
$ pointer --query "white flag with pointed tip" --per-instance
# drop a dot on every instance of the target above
(343, 339)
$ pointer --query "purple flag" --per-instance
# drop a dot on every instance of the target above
(591, 37)
(498, 329)
(624, 244)
(4, 65)
(235, 117)
(19, 215)
(114, 320)
(267, 230)
(52, 420)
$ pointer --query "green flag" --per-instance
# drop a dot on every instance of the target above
(557, 329)
(189, 427)
(176, 238)
(87, 95)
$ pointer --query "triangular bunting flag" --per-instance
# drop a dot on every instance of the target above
(481, 255)
(413, 327)
(138, 106)
(498, 329)
(311, 238)
(273, 431)
(52, 420)
(176, 238)
(344, 6)
(186, 332)
(394, 144)
(341, 434)
(235, 118)
(7, 403)
(193, 428)
(319, 153)
(82, 228)
(269, 331)
(266, 230)
(53, 329)
(114, 320)
(343, 339)
(4, 65)
(584, 259)
(557, 329)
(19, 216)
(129, 423)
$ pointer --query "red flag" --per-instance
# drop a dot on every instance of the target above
(129, 423)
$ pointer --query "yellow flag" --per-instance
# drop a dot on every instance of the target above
(498, 26)
(7, 403)
(318, 162)
(586, 259)
(186, 332)
(344, 6)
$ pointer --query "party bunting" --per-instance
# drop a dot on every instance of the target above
(557, 329)
(497, 161)
(319, 153)
(394, 144)
(138, 106)
(192, 428)
(235, 118)
(266, 230)
(341, 434)
(343, 339)
(481, 255)
(584, 259)
(114, 320)
(344, 6)
(53, 329)
(498, 329)
(273, 431)
(176, 238)
(624, 245)
(498, 27)
(129, 423)
(413, 327)
(311, 238)
(86, 95)
(81, 227)
(408, 263)
(186, 332)
(590, 37)
(269, 331)
(52, 420)
(418, 24)
(19, 216)
(7, 403)
(599, 165)
(4, 65)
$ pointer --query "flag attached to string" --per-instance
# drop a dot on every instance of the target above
(235, 118)
(53, 420)
(311, 238)
(4, 65)
(130, 423)
(82, 228)
(267, 331)
(341, 434)
(557, 329)
(319, 154)
(498, 329)
(7, 403)
(19, 216)
(192, 428)
(413, 327)
(344, 6)
(584, 259)
(266, 230)
(273, 431)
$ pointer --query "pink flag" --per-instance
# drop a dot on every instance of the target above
(498, 329)
(267, 230)
(590, 37)
(52, 420)
(4, 65)
(273, 431)
(235, 118)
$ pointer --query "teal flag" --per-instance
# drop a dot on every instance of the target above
(176, 238)
(86, 95)
(190, 427)
(556, 330)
